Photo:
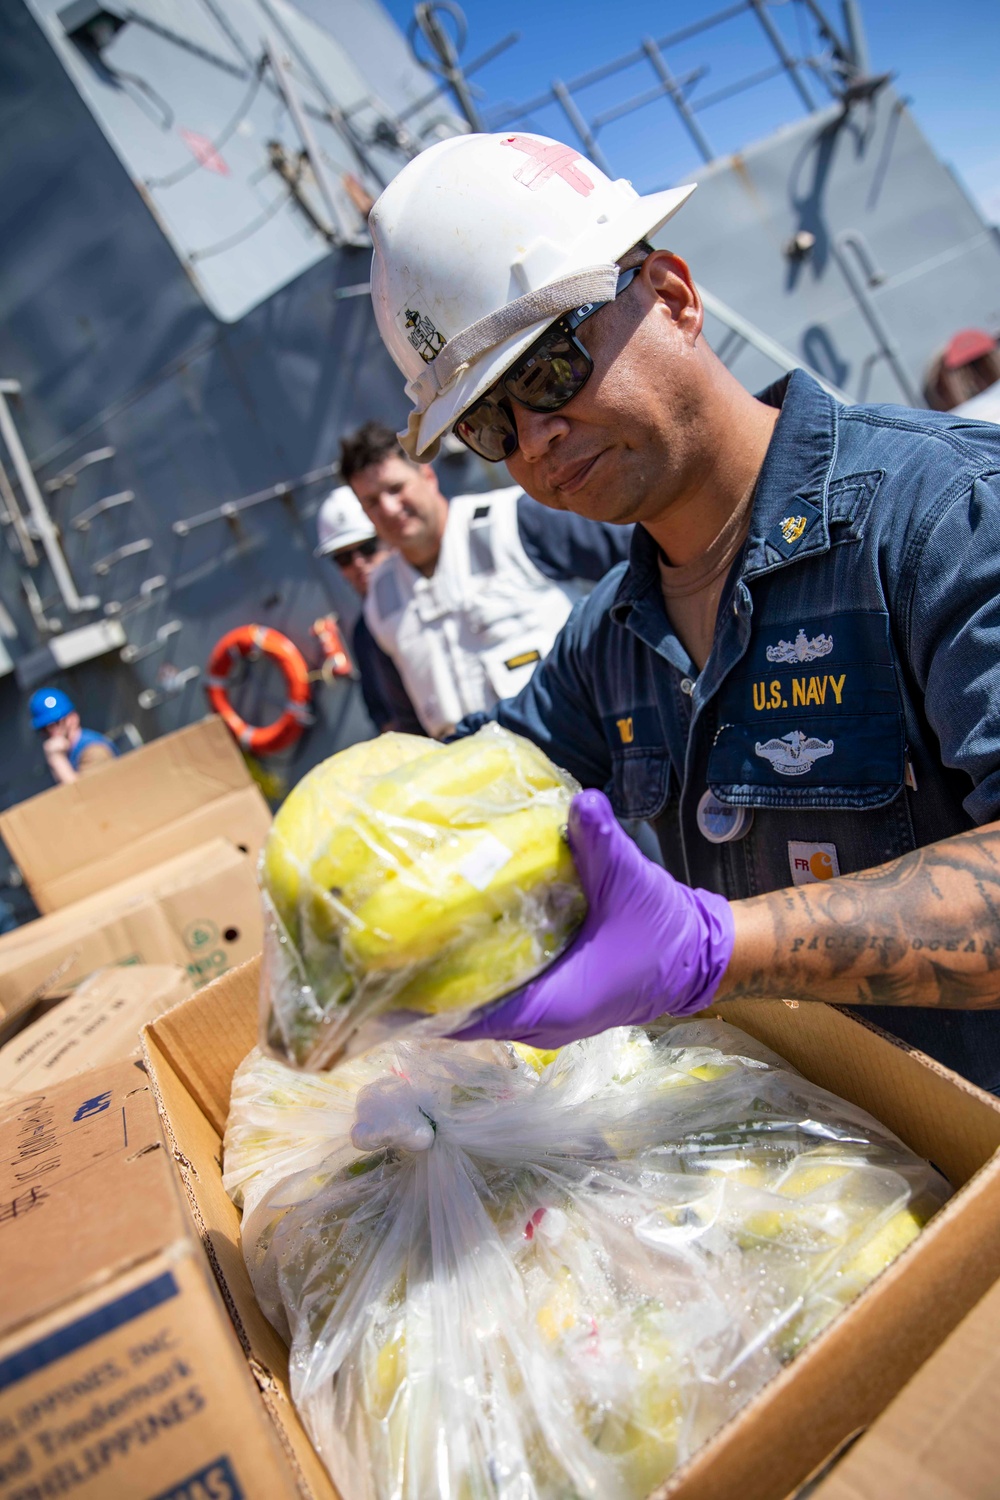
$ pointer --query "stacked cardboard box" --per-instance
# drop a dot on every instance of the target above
(98, 1024)
(120, 1373)
(838, 1385)
(149, 860)
(134, 813)
(200, 910)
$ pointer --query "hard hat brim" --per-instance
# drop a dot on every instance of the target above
(346, 539)
(52, 717)
(642, 218)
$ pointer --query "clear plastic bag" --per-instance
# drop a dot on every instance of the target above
(506, 1284)
(406, 884)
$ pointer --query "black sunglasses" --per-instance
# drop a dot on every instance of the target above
(549, 373)
(346, 556)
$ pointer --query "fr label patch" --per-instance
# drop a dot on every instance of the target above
(810, 863)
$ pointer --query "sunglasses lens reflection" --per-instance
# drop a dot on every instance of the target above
(488, 430)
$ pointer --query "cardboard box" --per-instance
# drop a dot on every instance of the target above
(838, 1384)
(200, 910)
(939, 1439)
(98, 1024)
(136, 812)
(120, 1373)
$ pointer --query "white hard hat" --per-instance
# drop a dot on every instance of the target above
(341, 522)
(480, 243)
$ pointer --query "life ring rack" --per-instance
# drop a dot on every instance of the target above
(253, 641)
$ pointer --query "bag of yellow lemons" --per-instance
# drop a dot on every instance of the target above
(501, 1276)
(406, 884)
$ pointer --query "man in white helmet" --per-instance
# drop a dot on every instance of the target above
(796, 676)
(475, 590)
(347, 537)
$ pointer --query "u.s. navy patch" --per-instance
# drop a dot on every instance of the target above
(813, 704)
(797, 522)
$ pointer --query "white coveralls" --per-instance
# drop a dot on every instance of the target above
(474, 631)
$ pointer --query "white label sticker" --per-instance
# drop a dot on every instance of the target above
(484, 861)
(812, 862)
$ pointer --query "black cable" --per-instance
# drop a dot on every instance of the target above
(227, 131)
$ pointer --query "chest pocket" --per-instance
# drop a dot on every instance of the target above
(640, 783)
(812, 718)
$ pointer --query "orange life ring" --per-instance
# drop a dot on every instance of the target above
(250, 640)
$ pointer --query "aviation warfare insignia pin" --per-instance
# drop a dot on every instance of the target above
(802, 648)
(424, 337)
(794, 754)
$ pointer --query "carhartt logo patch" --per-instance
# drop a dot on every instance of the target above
(810, 863)
(794, 754)
(792, 528)
(626, 730)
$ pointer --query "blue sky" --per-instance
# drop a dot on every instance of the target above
(946, 58)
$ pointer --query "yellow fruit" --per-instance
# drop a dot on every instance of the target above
(491, 964)
(708, 1072)
(535, 1057)
(479, 778)
(807, 1176)
(312, 812)
(879, 1252)
(559, 1311)
(387, 1376)
(449, 890)
(410, 875)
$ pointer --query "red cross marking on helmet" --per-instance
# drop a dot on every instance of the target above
(548, 159)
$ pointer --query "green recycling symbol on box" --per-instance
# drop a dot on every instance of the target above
(201, 938)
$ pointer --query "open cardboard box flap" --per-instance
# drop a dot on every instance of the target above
(200, 909)
(938, 1439)
(135, 812)
(97, 1024)
(837, 1385)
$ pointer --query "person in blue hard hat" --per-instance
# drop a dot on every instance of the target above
(71, 750)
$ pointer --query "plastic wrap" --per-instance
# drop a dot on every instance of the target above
(513, 1284)
(408, 883)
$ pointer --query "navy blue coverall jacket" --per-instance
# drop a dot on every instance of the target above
(852, 695)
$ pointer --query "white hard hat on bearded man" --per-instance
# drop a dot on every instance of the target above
(481, 242)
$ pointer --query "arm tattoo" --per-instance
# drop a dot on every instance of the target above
(921, 930)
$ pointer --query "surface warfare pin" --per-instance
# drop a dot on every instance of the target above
(794, 754)
(802, 648)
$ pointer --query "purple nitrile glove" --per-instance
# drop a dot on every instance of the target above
(649, 945)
